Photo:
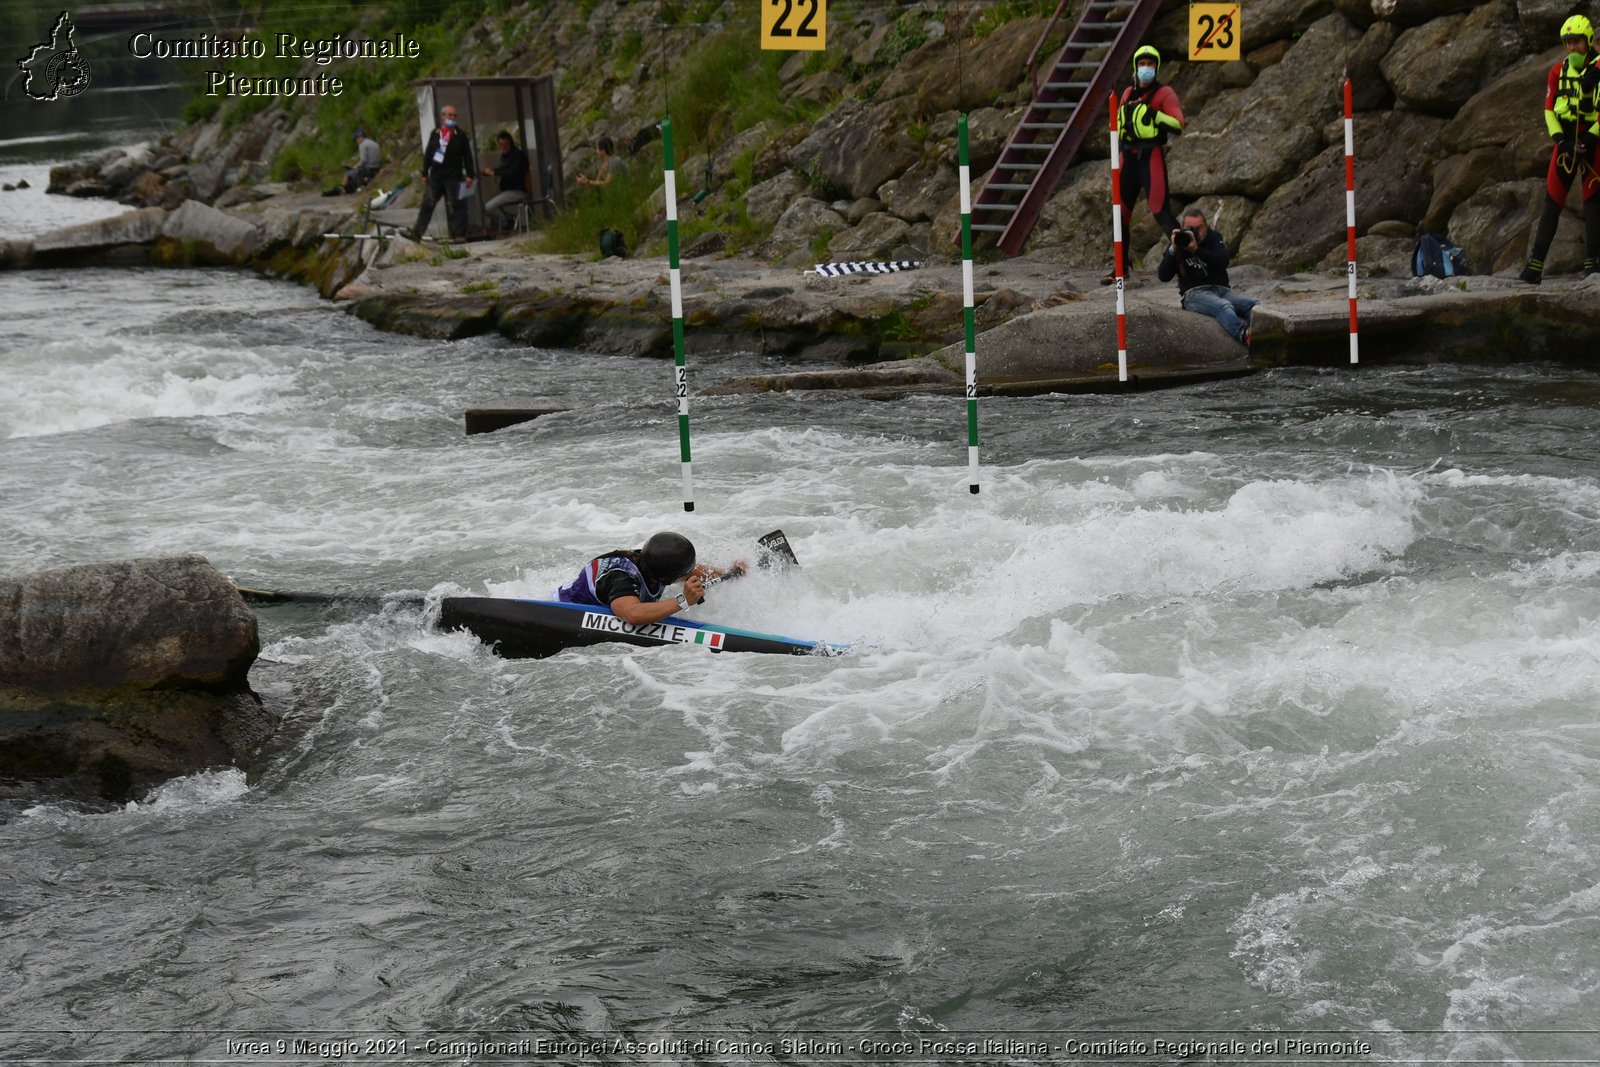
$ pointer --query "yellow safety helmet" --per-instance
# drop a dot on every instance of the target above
(1149, 52)
(1578, 26)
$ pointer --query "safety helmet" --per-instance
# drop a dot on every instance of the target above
(668, 556)
(1147, 52)
(1578, 26)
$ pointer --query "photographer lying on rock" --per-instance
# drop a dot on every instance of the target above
(1199, 260)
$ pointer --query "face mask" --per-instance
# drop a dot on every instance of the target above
(1146, 75)
(450, 122)
(1576, 59)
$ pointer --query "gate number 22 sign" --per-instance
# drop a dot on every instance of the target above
(794, 25)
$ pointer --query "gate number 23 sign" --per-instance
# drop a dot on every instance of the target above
(794, 25)
(1214, 31)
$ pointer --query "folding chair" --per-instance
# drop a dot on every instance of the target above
(548, 200)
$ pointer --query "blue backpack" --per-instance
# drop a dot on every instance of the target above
(1435, 255)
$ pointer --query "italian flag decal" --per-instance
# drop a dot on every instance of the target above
(709, 637)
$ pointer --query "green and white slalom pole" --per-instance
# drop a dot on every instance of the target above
(680, 369)
(968, 312)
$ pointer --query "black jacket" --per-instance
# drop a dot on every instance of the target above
(1205, 264)
(457, 162)
(513, 171)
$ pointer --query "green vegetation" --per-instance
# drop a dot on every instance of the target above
(909, 33)
(997, 15)
(623, 205)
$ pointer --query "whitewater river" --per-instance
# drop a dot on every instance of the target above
(1262, 710)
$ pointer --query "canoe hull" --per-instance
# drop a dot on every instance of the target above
(534, 629)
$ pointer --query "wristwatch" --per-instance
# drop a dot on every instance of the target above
(683, 602)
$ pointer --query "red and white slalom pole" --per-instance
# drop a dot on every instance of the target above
(1350, 211)
(1116, 246)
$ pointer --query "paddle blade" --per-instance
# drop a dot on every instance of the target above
(775, 549)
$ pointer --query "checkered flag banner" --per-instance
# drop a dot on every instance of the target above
(836, 270)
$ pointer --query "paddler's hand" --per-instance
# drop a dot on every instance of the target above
(694, 589)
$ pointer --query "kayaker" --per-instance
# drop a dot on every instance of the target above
(631, 582)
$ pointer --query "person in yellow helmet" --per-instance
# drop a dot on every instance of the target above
(1572, 115)
(1149, 114)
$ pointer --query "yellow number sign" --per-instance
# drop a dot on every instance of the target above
(1213, 31)
(794, 25)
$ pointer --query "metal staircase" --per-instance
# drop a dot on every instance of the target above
(1095, 59)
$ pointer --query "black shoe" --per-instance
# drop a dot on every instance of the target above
(1532, 273)
(1590, 266)
(1110, 278)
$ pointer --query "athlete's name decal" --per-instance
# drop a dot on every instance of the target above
(667, 633)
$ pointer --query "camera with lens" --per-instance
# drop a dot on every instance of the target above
(1183, 238)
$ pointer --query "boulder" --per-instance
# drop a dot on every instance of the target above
(16, 253)
(1508, 114)
(92, 241)
(1248, 142)
(991, 68)
(1276, 20)
(856, 210)
(1494, 226)
(876, 237)
(1305, 218)
(1080, 338)
(1541, 19)
(1377, 256)
(1416, 12)
(117, 676)
(803, 221)
(214, 236)
(767, 201)
(1368, 89)
(857, 147)
(988, 130)
(926, 187)
(1437, 67)
(1457, 178)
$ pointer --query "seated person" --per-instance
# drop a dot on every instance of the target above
(1199, 260)
(368, 159)
(513, 174)
(609, 167)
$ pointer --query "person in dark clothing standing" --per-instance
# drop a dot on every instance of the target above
(513, 175)
(1148, 116)
(1572, 117)
(446, 162)
(1198, 258)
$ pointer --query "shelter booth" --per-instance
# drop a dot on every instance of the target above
(523, 107)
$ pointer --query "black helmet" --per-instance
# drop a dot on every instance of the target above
(668, 556)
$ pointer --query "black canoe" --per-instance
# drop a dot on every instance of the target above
(534, 629)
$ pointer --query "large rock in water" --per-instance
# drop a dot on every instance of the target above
(117, 676)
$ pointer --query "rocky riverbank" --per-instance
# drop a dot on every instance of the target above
(1043, 326)
(1448, 136)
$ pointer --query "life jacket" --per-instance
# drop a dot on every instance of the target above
(1136, 119)
(1571, 99)
(584, 589)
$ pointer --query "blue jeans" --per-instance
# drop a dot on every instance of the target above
(1222, 304)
